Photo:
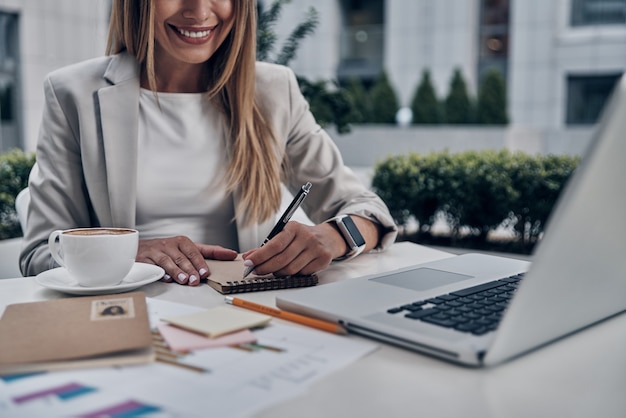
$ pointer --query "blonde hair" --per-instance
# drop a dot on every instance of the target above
(255, 166)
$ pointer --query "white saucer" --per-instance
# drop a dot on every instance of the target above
(140, 274)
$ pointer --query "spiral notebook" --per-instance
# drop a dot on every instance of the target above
(226, 277)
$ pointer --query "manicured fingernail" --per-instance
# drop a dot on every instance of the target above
(203, 272)
(248, 263)
(192, 279)
(167, 278)
(181, 276)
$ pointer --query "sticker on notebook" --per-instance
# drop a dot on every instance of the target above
(112, 309)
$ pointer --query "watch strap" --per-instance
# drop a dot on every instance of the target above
(351, 235)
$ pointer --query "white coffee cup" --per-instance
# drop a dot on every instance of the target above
(95, 257)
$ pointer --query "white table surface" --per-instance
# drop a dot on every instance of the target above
(583, 375)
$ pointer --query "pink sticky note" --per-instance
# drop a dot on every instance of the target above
(180, 340)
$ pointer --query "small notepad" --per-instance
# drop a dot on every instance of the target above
(219, 321)
(226, 278)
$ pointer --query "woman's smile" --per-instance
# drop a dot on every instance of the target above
(193, 35)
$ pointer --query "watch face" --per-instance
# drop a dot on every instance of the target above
(354, 231)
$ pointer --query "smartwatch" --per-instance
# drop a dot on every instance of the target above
(351, 235)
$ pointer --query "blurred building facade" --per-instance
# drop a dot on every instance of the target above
(36, 37)
(560, 58)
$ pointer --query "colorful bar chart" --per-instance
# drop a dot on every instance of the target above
(125, 409)
(64, 392)
(17, 377)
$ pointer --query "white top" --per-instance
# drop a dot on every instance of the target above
(189, 198)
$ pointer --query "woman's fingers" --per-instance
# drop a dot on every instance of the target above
(178, 256)
(215, 252)
(297, 249)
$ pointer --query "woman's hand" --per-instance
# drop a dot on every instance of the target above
(181, 258)
(297, 249)
(304, 249)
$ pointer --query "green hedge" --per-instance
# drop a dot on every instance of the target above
(476, 191)
(15, 166)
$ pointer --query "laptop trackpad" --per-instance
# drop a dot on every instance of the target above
(421, 279)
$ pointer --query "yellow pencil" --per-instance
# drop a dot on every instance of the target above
(288, 316)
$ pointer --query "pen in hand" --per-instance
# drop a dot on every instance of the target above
(295, 204)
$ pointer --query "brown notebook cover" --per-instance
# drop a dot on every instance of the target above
(75, 332)
(226, 277)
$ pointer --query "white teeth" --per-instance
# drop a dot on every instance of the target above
(189, 34)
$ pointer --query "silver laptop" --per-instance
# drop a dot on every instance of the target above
(481, 310)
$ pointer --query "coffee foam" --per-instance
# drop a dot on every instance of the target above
(99, 231)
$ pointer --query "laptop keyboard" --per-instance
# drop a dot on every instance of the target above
(477, 309)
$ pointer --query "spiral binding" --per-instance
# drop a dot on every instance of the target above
(269, 283)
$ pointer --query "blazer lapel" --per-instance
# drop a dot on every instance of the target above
(119, 117)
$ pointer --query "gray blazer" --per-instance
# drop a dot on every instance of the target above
(85, 173)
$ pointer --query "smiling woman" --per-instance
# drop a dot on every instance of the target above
(187, 34)
(180, 134)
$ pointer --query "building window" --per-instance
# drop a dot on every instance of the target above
(493, 37)
(9, 87)
(362, 39)
(598, 12)
(586, 97)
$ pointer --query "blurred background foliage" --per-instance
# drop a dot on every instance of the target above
(476, 192)
(15, 166)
